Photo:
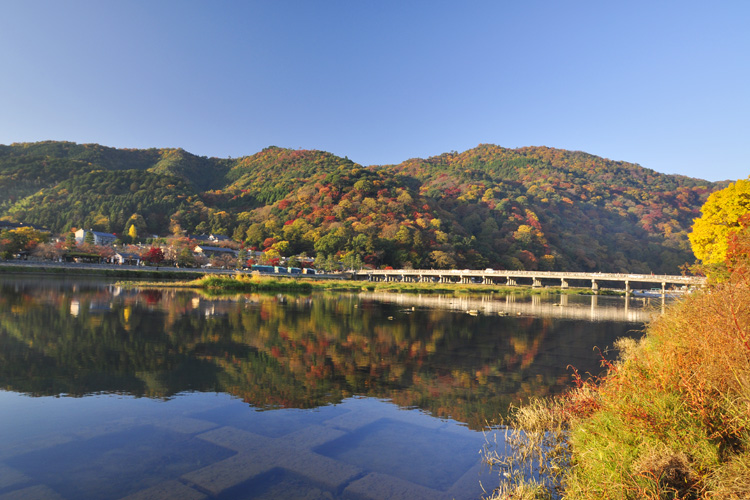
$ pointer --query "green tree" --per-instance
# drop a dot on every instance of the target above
(293, 261)
(88, 238)
(185, 258)
(241, 258)
(329, 243)
(255, 234)
(70, 240)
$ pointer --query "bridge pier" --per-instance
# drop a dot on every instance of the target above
(627, 288)
(594, 286)
(536, 283)
(488, 281)
(563, 283)
(510, 282)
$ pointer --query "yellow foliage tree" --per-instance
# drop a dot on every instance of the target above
(721, 215)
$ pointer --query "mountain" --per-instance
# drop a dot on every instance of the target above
(532, 208)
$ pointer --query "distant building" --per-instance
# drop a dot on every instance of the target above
(130, 258)
(211, 237)
(99, 238)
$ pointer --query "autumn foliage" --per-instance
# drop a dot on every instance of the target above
(531, 208)
(722, 215)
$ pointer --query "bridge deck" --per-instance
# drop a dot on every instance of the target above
(510, 277)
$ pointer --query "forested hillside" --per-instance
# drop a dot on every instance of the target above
(532, 208)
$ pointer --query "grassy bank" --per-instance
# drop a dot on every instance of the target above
(671, 419)
(250, 283)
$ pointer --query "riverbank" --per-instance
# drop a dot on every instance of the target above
(671, 419)
(241, 282)
(104, 270)
(254, 282)
(234, 281)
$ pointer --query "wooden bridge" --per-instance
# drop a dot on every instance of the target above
(535, 278)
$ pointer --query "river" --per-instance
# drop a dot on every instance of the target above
(112, 393)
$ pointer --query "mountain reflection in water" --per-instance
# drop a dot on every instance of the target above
(282, 351)
(322, 396)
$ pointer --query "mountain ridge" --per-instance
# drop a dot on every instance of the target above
(530, 207)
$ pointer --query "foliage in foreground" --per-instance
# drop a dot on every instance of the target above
(671, 419)
(721, 215)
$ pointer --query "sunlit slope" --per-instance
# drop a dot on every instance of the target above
(532, 208)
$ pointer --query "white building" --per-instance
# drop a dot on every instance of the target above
(99, 238)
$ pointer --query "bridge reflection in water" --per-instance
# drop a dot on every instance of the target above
(580, 307)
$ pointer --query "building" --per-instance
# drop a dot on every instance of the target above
(215, 238)
(99, 238)
(128, 258)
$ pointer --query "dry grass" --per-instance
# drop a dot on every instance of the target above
(671, 420)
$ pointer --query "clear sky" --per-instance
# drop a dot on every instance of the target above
(665, 84)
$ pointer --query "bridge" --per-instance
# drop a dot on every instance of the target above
(532, 278)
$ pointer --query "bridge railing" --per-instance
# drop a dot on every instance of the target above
(542, 274)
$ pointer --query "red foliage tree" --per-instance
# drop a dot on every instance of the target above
(154, 255)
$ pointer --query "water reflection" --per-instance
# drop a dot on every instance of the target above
(273, 396)
(303, 351)
(591, 308)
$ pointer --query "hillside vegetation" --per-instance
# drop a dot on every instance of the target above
(531, 208)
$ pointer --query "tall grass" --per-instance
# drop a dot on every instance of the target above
(670, 420)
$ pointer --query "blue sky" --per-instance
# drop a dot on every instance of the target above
(663, 84)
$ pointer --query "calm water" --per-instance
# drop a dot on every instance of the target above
(112, 393)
